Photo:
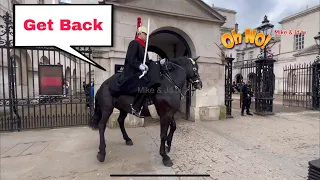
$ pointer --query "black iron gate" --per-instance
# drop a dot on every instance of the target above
(245, 71)
(301, 85)
(42, 87)
(316, 84)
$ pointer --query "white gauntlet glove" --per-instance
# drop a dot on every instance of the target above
(142, 67)
(162, 61)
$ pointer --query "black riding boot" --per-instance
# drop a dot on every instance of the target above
(137, 104)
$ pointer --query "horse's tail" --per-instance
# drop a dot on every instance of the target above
(100, 97)
(94, 120)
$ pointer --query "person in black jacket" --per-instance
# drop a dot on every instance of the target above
(128, 81)
(246, 98)
(87, 93)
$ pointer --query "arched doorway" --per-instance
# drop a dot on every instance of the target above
(90, 77)
(74, 82)
(252, 79)
(44, 60)
(20, 75)
(67, 80)
(239, 78)
(169, 43)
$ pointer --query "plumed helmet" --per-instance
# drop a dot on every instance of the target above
(142, 29)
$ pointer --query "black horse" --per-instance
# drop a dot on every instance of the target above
(166, 100)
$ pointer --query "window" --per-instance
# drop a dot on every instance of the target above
(238, 56)
(299, 41)
(251, 55)
(40, 1)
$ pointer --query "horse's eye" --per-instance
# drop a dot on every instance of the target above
(194, 69)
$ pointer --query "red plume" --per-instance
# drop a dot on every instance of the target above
(139, 22)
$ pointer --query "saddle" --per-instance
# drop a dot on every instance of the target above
(166, 67)
(117, 94)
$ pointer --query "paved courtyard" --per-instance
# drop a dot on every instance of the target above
(242, 148)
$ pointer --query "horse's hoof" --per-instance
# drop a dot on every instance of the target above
(168, 148)
(167, 161)
(101, 157)
(94, 128)
(129, 143)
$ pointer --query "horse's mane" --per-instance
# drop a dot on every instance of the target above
(179, 60)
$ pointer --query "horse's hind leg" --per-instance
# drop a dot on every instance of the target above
(173, 127)
(121, 118)
(102, 128)
(164, 122)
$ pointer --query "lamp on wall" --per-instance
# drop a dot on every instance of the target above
(266, 28)
(236, 26)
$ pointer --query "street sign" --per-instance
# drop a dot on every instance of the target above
(118, 68)
(50, 79)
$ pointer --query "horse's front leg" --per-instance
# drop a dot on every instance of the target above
(173, 127)
(102, 128)
(164, 121)
(121, 118)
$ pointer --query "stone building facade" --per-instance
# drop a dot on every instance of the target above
(287, 49)
(178, 28)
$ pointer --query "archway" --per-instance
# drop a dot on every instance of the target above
(21, 77)
(252, 79)
(170, 43)
(44, 60)
(88, 76)
(158, 51)
(74, 82)
(67, 80)
(239, 78)
(292, 80)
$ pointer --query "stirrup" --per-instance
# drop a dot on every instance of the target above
(134, 112)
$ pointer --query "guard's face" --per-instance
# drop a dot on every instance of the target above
(143, 36)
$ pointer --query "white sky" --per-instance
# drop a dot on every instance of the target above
(274, 9)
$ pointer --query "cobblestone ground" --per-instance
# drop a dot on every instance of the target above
(242, 148)
(249, 147)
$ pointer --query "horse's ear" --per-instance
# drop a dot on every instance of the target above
(195, 59)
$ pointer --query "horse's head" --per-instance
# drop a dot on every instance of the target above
(193, 74)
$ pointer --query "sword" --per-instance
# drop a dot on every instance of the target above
(146, 50)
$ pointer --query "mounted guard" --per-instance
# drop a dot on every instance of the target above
(140, 79)
(131, 81)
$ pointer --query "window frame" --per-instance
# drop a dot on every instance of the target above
(298, 42)
(250, 54)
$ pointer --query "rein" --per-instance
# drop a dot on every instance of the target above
(174, 84)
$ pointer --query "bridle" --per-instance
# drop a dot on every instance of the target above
(191, 81)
